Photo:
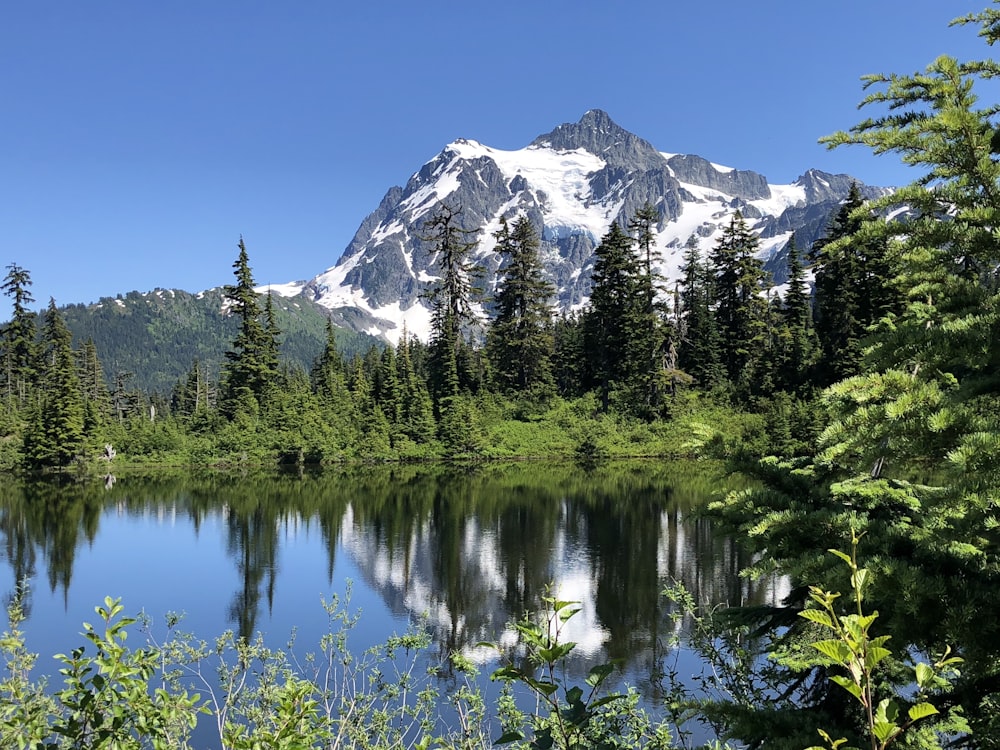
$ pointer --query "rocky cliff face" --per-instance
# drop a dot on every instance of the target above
(571, 183)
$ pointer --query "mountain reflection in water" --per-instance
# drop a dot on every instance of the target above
(467, 549)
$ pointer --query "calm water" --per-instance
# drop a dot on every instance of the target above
(468, 549)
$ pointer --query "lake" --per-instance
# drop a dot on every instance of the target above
(465, 550)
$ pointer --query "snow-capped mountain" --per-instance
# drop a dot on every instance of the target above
(571, 183)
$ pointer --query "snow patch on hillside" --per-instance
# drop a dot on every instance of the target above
(782, 197)
(427, 197)
(562, 175)
(416, 320)
(291, 289)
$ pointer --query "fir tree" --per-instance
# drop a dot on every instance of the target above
(55, 434)
(126, 397)
(700, 348)
(252, 362)
(569, 355)
(520, 339)
(796, 352)
(739, 307)
(18, 336)
(272, 334)
(647, 334)
(329, 384)
(614, 300)
(388, 393)
(911, 454)
(854, 288)
(97, 399)
(329, 366)
(451, 302)
(194, 392)
(417, 418)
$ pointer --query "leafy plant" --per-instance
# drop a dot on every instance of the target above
(261, 697)
(571, 716)
(859, 653)
(732, 674)
(25, 708)
(107, 700)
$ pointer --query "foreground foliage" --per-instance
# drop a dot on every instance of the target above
(389, 696)
(393, 696)
(910, 448)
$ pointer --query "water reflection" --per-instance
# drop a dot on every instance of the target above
(469, 549)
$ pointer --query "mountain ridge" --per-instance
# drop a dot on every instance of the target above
(571, 182)
(155, 337)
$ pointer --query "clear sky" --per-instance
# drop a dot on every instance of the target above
(139, 140)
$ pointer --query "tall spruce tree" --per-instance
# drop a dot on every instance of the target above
(451, 300)
(55, 434)
(19, 335)
(519, 341)
(615, 299)
(251, 364)
(740, 309)
(700, 348)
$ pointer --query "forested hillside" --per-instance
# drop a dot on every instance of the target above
(156, 336)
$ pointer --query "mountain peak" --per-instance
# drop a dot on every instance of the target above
(597, 133)
(571, 183)
(599, 120)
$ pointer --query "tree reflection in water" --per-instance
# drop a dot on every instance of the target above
(469, 548)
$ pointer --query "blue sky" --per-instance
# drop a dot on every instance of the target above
(141, 139)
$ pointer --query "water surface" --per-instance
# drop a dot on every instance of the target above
(465, 550)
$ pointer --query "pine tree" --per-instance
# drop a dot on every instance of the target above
(451, 302)
(854, 288)
(700, 348)
(520, 339)
(252, 363)
(18, 336)
(739, 308)
(55, 435)
(614, 300)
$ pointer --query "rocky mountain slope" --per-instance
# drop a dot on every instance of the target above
(572, 183)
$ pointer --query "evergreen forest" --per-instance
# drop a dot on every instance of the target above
(863, 401)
